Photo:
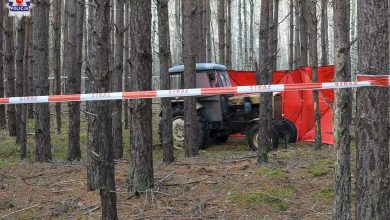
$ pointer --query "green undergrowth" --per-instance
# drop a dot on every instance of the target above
(275, 196)
(270, 172)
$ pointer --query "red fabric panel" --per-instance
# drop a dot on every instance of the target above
(298, 106)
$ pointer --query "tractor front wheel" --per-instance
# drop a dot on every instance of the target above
(253, 137)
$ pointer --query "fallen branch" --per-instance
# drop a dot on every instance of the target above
(240, 159)
(20, 210)
(187, 183)
(166, 177)
(92, 210)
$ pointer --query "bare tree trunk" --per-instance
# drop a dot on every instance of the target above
(116, 80)
(26, 64)
(252, 59)
(74, 79)
(221, 31)
(274, 34)
(229, 35)
(126, 64)
(31, 89)
(165, 62)
(240, 48)
(189, 58)
(41, 74)
(19, 57)
(9, 72)
(208, 32)
(3, 122)
(179, 36)
(297, 50)
(141, 168)
(93, 132)
(372, 117)
(102, 52)
(202, 48)
(56, 58)
(312, 28)
(343, 116)
(324, 32)
(304, 32)
(263, 77)
(291, 37)
(65, 54)
(245, 36)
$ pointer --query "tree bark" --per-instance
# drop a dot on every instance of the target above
(252, 59)
(116, 80)
(229, 35)
(56, 59)
(165, 63)
(189, 58)
(297, 47)
(41, 74)
(102, 52)
(126, 65)
(3, 122)
(240, 47)
(179, 36)
(31, 89)
(91, 86)
(245, 36)
(201, 50)
(291, 38)
(312, 28)
(324, 32)
(208, 32)
(221, 31)
(303, 32)
(141, 168)
(74, 79)
(19, 57)
(343, 116)
(264, 77)
(9, 72)
(372, 117)
(274, 35)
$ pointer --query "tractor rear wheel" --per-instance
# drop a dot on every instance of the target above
(253, 137)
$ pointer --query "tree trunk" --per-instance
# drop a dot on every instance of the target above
(343, 116)
(274, 35)
(31, 89)
(165, 63)
(264, 77)
(202, 51)
(141, 168)
(116, 80)
(312, 28)
(297, 50)
(304, 32)
(179, 36)
(126, 64)
(56, 59)
(239, 49)
(74, 80)
(41, 74)
(291, 38)
(221, 31)
(252, 59)
(102, 53)
(19, 57)
(229, 35)
(91, 86)
(26, 69)
(3, 122)
(208, 32)
(245, 36)
(372, 117)
(9, 72)
(189, 58)
(324, 32)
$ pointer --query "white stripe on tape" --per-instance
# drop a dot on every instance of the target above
(101, 96)
(178, 93)
(265, 88)
(340, 85)
(28, 100)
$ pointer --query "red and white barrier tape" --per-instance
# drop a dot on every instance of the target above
(362, 81)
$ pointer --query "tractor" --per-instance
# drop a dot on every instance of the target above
(220, 116)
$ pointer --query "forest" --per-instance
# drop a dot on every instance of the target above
(104, 114)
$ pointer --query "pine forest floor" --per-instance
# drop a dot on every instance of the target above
(224, 182)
